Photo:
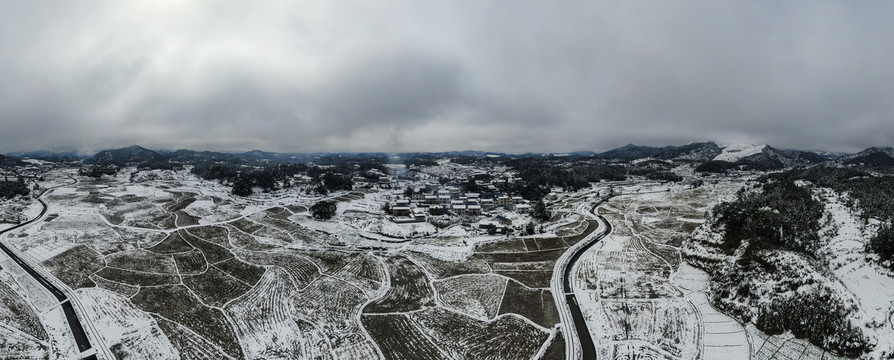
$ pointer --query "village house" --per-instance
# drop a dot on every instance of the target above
(502, 220)
(400, 211)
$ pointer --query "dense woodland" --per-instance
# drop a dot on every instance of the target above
(869, 195)
(763, 227)
(781, 215)
(273, 177)
(11, 189)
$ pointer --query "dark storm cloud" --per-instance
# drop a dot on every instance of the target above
(418, 75)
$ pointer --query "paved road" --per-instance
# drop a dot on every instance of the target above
(586, 341)
(77, 330)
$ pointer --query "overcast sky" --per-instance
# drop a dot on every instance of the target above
(513, 76)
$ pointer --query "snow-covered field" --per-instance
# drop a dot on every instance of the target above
(171, 266)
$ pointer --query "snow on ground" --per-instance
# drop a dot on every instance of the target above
(209, 213)
(62, 344)
(65, 190)
(264, 322)
(871, 285)
(407, 230)
(140, 190)
(33, 210)
(735, 152)
(446, 253)
(46, 251)
(15, 344)
(453, 231)
(61, 341)
(119, 322)
(662, 326)
(36, 161)
(784, 346)
(723, 337)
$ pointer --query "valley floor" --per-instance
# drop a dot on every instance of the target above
(176, 267)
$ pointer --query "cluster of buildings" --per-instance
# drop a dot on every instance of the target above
(450, 200)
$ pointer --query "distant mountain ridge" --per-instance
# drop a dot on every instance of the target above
(700, 151)
(10, 162)
(124, 156)
(874, 158)
(743, 156)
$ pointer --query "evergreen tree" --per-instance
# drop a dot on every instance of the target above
(323, 210)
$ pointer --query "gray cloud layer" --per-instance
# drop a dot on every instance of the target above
(427, 76)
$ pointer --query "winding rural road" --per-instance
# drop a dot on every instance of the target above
(77, 329)
(578, 342)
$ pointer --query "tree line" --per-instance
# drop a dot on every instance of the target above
(10, 189)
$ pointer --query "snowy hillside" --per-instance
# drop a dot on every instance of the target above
(735, 152)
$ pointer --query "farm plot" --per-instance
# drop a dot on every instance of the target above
(213, 253)
(784, 346)
(211, 210)
(214, 234)
(442, 268)
(361, 350)
(329, 261)
(150, 343)
(670, 325)
(300, 233)
(280, 213)
(514, 245)
(621, 269)
(247, 226)
(400, 339)
(300, 269)
(549, 243)
(179, 305)
(531, 278)
(478, 296)
(245, 241)
(333, 305)
(152, 218)
(215, 287)
(136, 278)
(74, 266)
(142, 260)
(15, 344)
(265, 326)
(140, 239)
(181, 202)
(462, 337)
(15, 313)
(171, 244)
(529, 256)
(115, 287)
(190, 263)
(75, 229)
(242, 271)
(556, 349)
(535, 304)
(271, 232)
(623, 284)
(591, 226)
(575, 228)
(128, 330)
(190, 345)
(364, 272)
(118, 210)
(410, 288)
